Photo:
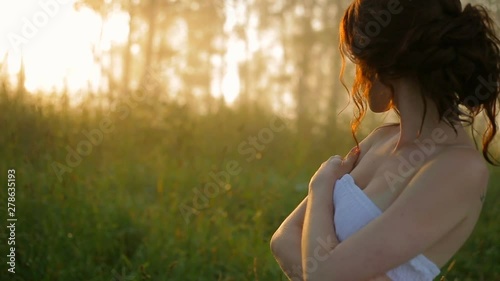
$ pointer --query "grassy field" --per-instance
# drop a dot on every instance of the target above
(161, 193)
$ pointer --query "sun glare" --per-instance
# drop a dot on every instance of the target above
(55, 42)
(58, 44)
(231, 84)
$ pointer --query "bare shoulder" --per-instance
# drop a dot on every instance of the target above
(464, 167)
(379, 134)
(465, 160)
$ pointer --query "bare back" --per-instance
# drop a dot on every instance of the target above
(383, 174)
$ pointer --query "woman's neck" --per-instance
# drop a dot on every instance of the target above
(408, 102)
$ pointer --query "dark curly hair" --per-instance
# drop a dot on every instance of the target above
(452, 52)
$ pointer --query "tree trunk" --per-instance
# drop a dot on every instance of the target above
(151, 12)
(126, 51)
(305, 46)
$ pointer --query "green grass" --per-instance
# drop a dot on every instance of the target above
(116, 216)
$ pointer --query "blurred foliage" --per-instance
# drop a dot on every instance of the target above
(117, 214)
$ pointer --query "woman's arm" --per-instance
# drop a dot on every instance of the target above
(318, 234)
(286, 241)
(430, 206)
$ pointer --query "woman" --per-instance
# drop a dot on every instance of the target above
(407, 197)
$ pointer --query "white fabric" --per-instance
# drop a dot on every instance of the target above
(354, 210)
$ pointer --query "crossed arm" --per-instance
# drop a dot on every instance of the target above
(429, 207)
(286, 243)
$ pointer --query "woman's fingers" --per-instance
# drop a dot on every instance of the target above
(335, 160)
(342, 165)
(350, 160)
(335, 167)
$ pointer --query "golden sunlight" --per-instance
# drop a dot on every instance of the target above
(60, 45)
(53, 40)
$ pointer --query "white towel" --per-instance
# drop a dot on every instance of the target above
(354, 210)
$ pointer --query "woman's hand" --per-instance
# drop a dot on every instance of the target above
(318, 221)
(333, 169)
